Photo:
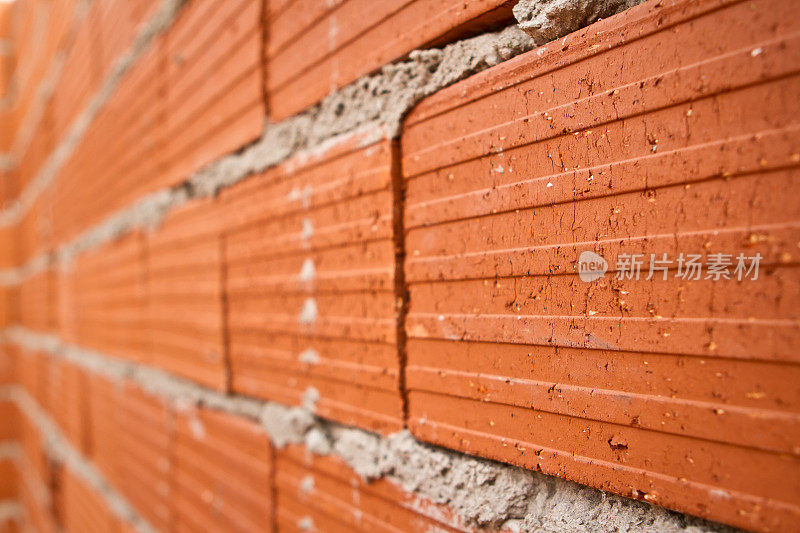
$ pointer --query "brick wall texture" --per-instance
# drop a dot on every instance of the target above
(212, 293)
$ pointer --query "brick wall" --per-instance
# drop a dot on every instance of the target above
(276, 265)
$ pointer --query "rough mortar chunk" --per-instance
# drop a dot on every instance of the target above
(548, 20)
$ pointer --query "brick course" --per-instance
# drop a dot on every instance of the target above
(199, 266)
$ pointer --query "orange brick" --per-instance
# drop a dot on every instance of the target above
(121, 150)
(322, 494)
(81, 74)
(103, 416)
(31, 373)
(650, 132)
(185, 302)
(37, 302)
(9, 482)
(119, 24)
(67, 403)
(310, 266)
(144, 443)
(8, 363)
(33, 496)
(9, 422)
(110, 299)
(84, 509)
(222, 473)
(215, 88)
(316, 47)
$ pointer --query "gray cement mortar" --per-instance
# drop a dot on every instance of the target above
(548, 20)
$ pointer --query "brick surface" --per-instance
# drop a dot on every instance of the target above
(144, 449)
(37, 309)
(215, 99)
(222, 474)
(9, 422)
(66, 401)
(316, 47)
(322, 494)
(185, 301)
(650, 132)
(310, 283)
(84, 510)
(102, 419)
(122, 150)
(82, 73)
(9, 480)
(109, 290)
(32, 374)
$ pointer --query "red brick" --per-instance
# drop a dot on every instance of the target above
(650, 132)
(222, 473)
(346, 197)
(110, 299)
(9, 422)
(84, 508)
(81, 75)
(185, 302)
(31, 373)
(9, 480)
(44, 30)
(121, 150)
(215, 89)
(325, 494)
(103, 415)
(316, 47)
(120, 23)
(37, 302)
(38, 515)
(8, 363)
(67, 403)
(36, 467)
(143, 451)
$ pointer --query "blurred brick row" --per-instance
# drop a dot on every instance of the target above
(202, 87)
(652, 132)
(185, 468)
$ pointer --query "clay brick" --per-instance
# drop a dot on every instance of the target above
(84, 509)
(34, 499)
(222, 473)
(9, 421)
(36, 467)
(650, 132)
(310, 285)
(185, 301)
(66, 401)
(110, 299)
(121, 150)
(81, 74)
(215, 88)
(316, 493)
(103, 415)
(316, 47)
(119, 24)
(144, 448)
(8, 480)
(37, 305)
(31, 373)
(8, 363)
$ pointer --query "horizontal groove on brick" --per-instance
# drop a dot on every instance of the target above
(650, 132)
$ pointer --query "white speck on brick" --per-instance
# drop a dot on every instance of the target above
(307, 271)
(308, 314)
